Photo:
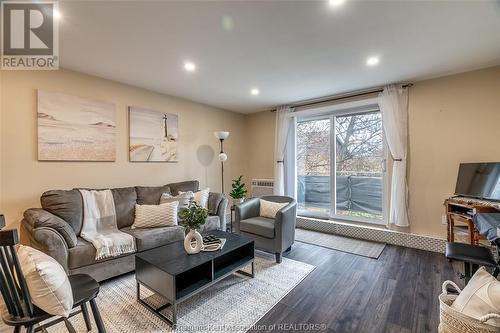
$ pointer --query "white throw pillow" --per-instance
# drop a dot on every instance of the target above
(200, 197)
(183, 199)
(269, 209)
(480, 297)
(151, 216)
(47, 281)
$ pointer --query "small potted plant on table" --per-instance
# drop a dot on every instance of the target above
(192, 218)
(238, 192)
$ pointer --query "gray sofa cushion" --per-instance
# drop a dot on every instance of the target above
(67, 205)
(150, 238)
(83, 254)
(150, 195)
(38, 217)
(190, 185)
(211, 223)
(258, 226)
(125, 200)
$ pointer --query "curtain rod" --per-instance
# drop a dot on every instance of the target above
(332, 98)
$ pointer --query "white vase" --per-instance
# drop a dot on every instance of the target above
(193, 236)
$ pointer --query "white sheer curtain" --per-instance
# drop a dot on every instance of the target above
(290, 165)
(283, 121)
(393, 103)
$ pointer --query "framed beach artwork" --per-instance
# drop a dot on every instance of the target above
(72, 128)
(153, 135)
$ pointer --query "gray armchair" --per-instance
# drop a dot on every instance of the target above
(275, 236)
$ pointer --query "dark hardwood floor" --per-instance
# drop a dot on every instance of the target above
(348, 293)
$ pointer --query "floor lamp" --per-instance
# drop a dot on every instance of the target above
(222, 135)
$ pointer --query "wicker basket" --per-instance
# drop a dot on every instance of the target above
(452, 321)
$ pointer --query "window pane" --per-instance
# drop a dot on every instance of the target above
(313, 168)
(359, 165)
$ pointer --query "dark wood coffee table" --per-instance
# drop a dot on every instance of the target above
(172, 273)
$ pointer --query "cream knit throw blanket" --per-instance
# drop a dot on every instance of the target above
(99, 225)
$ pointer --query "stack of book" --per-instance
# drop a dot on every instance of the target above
(212, 243)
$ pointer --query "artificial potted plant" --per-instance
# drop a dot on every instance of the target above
(238, 192)
(192, 218)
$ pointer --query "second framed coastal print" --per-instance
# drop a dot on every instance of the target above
(152, 135)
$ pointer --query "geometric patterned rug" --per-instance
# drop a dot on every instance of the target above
(234, 304)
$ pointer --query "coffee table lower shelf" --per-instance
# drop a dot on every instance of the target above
(201, 287)
(195, 275)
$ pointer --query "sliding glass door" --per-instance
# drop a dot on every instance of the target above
(341, 166)
(314, 167)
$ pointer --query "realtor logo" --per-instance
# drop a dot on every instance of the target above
(29, 35)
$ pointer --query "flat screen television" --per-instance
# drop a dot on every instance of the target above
(479, 180)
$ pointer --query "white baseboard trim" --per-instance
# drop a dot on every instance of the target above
(374, 234)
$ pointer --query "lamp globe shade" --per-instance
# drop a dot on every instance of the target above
(222, 157)
(221, 135)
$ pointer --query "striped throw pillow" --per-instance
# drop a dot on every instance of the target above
(152, 216)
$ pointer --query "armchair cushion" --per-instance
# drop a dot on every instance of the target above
(38, 217)
(261, 226)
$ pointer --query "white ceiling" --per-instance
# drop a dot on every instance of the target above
(290, 50)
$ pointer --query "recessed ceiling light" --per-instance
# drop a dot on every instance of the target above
(254, 91)
(189, 66)
(57, 14)
(372, 61)
(336, 3)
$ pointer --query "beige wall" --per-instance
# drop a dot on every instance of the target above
(451, 120)
(23, 178)
(260, 145)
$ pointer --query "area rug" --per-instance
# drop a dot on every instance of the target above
(234, 304)
(340, 243)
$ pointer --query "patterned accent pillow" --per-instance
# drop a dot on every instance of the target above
(47, 281)
(151, 216)
(183, 199)
(200, 197)
(269, 209)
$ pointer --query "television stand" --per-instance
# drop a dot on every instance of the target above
(461, 211)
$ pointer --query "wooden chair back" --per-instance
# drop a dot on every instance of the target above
(13, 286)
